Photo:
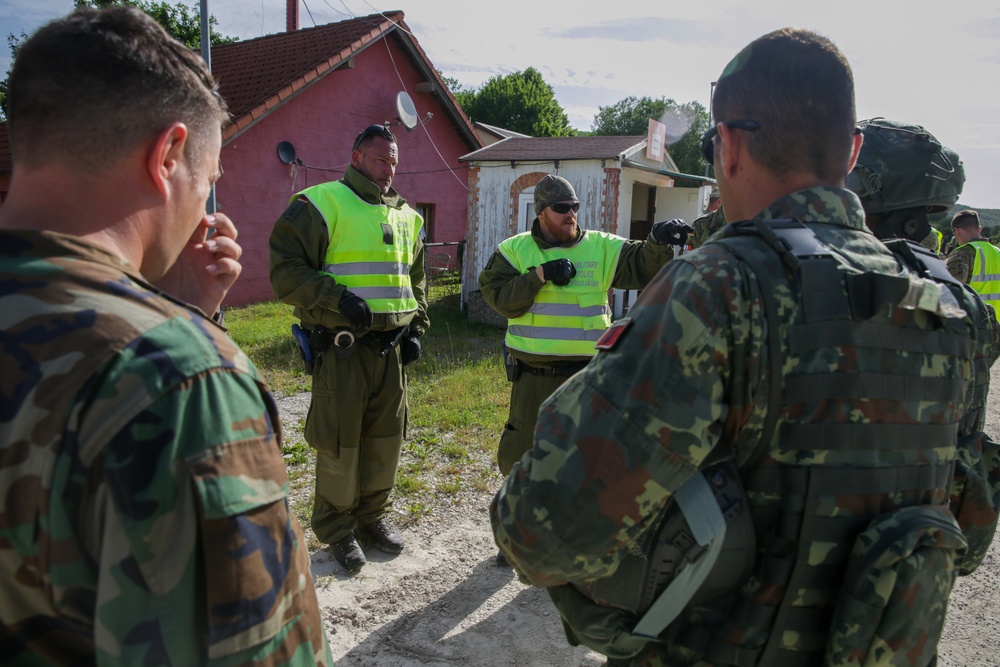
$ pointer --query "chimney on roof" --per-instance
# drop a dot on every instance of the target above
(291, 15)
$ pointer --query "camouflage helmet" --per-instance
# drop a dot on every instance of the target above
(552, 189)
(903, 166)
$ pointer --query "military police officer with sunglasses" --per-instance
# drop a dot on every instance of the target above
(552, 284)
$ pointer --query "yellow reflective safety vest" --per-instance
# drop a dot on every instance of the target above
(371, 246)
(565, 321)
(986, 271)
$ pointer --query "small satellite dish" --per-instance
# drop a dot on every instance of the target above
(286, 152)
(406, 111)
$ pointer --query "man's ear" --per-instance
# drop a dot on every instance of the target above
(859, 139)
(355, 158)
(729, 150)
(165, 155)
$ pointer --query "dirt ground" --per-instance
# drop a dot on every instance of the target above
(444, 601)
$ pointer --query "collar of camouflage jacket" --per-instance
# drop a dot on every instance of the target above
(826, 204)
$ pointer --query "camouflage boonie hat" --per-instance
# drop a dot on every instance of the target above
(552, 189)
(903, 166)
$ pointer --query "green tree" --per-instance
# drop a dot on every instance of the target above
(521, 102)
(14, 43)
(685, 125)
(179, 20)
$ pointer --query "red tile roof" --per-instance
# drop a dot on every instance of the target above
(555, 148)
(258, 74)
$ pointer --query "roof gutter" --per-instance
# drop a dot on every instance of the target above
(704, 180)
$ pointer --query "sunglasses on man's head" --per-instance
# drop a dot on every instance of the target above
(562, 208)
(707, 139)
(374, 130)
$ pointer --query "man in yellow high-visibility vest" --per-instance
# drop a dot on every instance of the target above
(552, 284)
(348, 255)
(975, 261)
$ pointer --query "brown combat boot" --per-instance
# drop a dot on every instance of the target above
(382, 537)
(348, 553)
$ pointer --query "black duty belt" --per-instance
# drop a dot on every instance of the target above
(552, 371)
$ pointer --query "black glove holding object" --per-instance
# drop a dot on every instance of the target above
(356, 310)
(409, 348)
(674, 232)
(558, 271)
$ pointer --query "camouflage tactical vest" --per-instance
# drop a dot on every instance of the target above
(863, 458)
(849, 488)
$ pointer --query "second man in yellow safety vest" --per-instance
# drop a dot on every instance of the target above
(552, 286)
(975, 261)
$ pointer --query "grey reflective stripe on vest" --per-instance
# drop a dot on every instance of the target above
(569, 310)
(701, 511)
(554, 333)
(367, 268)
(387, 292)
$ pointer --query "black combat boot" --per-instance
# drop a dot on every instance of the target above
(382, 537)
(348, 553)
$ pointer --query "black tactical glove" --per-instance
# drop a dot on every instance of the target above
(558, 271)
(674, 232)
(356, 310)
(409, 348)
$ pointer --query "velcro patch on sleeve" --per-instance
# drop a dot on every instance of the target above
(610, 339)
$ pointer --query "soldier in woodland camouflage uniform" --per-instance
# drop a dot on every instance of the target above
(144, 512)
(795, 345)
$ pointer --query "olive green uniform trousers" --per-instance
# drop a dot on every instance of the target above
(526, 396)
(356, 423)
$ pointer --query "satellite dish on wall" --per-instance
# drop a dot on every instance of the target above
(286, 152)
(406, 111)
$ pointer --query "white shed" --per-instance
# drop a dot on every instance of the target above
(621, 191)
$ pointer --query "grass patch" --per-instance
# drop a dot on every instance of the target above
(458, 400)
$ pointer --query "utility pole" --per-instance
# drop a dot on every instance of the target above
(206, 55)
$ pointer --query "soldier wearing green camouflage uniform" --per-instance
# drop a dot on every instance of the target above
(512, 283)
(904, 173)
(705, 226)
(790, 346)
(144, 514)
(348, 256)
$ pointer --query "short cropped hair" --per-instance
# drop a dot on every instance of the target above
(966, 218)
(93, 85)
(799, 88)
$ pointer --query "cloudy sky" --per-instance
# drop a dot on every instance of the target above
(934, 64)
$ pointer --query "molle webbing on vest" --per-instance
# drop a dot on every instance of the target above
(806, 516)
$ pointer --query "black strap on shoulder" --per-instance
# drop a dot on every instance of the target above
(925, 261)
(810, 260)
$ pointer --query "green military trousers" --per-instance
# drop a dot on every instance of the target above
(356, 423)
(526, 395)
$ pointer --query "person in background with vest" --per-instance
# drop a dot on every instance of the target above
(144, 515)
(552, 284)
(793, 352)
(975, 261)
(348, 256)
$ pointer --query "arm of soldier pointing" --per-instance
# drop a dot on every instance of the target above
(207, 267)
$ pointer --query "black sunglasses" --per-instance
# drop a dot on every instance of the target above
(374, 130)
(707, 139)
(562, 208)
